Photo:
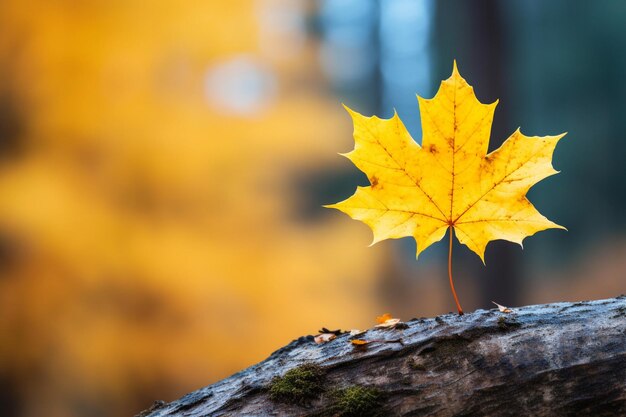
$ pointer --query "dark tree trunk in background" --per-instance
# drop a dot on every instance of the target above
(560, 359)
(475, 35)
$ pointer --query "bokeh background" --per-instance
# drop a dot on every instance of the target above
(163, 166)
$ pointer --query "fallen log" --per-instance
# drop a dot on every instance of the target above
(560, 359)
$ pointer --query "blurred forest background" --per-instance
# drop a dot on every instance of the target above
(163, 166)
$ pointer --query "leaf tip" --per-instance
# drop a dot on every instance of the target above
(351, 112)
(418, 250)
(375, 240)
(482, 257)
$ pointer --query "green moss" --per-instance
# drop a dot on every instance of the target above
(299, 385)
(357, 401)
(504, 324)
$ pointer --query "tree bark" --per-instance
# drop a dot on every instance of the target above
(557, 359)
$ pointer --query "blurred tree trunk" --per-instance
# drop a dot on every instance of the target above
(547, 360)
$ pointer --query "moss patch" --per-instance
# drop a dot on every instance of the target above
(299, 385)
(504, 324)
(357, 401)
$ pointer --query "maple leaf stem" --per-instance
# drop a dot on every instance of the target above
(456, 299)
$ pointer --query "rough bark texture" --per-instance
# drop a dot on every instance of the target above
(545, 360)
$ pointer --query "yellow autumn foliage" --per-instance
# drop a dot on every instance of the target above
(153, 246)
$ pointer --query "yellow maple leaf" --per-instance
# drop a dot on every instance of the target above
(450, 182)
